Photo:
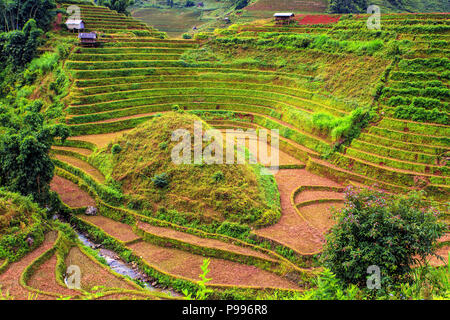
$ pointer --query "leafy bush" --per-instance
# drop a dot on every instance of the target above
(161, 180)
(421, 114)
(116, 149)
(218, 176)
(233, 230)
(374, 228)
(187, 36)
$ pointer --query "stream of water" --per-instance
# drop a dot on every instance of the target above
(121, 267)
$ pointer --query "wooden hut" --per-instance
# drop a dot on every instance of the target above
(284, 18)
(88, 38)
(75, 25)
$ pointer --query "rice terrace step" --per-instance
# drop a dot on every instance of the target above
(245, 150)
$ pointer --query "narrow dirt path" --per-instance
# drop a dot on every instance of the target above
(93, 172)
(100, 140)
(292, 230)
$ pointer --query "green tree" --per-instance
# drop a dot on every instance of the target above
(375, 228)
(348, 6)
(14, 14)
(19, 47)
(25, 143)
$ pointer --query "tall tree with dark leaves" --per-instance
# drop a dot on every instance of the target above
(25, 142)
(348, 6)
(14, 14)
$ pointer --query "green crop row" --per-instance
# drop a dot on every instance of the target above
(394, 153)
(417, 148)
(398, 164)
(419, 76)
(344, 175)
(442, 94)
(309, 141)
(412, 138)
(100, 74)
(421, 114)
(200, 82)
(167, 107)
(417, 84)
(139, 43)
(88, 87)
(415, 127)
(123, 57)
(373, 171)
(124, 50)
(199, 92)
(418, 102)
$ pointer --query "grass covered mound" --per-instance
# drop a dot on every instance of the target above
(141, 162)
(22, 225)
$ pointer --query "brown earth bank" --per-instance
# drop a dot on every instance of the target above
(83, 151)
(10, 279)
(70, 193)
(93, 172)
(292, 230)
(92, 274)
(189, 238)
(223, 272)
(119, 230)
(44, 279)
(100, 140)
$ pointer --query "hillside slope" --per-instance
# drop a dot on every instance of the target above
(218, 191)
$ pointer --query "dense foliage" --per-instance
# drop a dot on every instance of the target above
(374, 228)
(16, 13)
(25, 142)
(348, 6)
(117, 5)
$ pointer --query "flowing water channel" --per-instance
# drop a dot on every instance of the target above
(121, 267)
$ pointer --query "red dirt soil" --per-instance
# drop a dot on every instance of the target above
(93, 274)
(44, 279)
(86, 167)
(186, 264)
(101, 140)
(212, 243)
(319, 215)
(119, 230)
(308, 195)
(316, 19)
(83, 151)
(70, 193)
(9, 280)
(292, 230)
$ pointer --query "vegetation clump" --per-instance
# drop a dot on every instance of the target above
(145, 167)
(394, 233)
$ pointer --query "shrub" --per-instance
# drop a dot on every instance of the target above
(116, 149)
(187, 36)
(234, 230)
(161, 180)
(218, 176)
(374, 228)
